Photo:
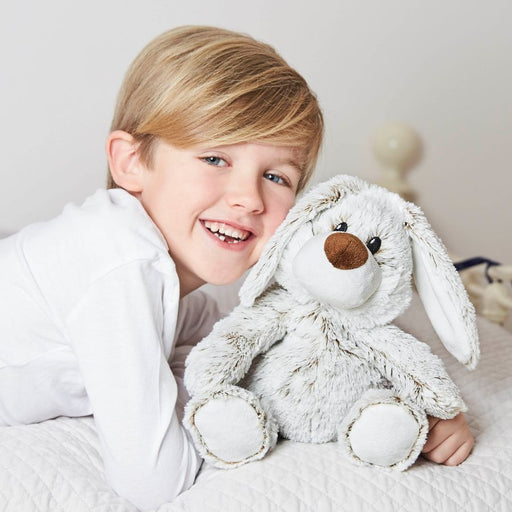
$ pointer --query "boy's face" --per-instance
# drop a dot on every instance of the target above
(217, 207)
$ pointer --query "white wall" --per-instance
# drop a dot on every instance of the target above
(443, 66)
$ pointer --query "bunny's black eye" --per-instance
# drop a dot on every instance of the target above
(374, 244)
(341, 227)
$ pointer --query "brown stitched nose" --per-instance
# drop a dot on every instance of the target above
(345, 251)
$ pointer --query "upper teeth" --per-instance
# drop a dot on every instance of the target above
(223, 229)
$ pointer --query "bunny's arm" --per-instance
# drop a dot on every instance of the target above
(416, 373)
(226, 354)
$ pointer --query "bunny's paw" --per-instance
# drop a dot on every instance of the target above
(383, 430)
(229, 427)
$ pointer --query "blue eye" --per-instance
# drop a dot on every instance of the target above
(275, 178)
(217, 161)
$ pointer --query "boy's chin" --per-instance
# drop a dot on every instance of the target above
(224, 279)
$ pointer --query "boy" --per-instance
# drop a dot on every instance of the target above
(213, 136)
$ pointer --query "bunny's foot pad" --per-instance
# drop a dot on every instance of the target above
(230, 428)
(383, 430)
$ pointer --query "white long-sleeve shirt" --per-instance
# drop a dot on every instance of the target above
(89, 325)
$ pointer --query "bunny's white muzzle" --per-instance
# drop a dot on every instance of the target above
(337, 268)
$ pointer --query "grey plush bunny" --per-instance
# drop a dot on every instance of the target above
(311, 354)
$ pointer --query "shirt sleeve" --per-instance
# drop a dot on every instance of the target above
(198, 314)
(116, 332)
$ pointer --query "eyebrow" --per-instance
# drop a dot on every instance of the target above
(295, 164)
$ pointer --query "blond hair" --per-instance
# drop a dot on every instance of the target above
(194, 85)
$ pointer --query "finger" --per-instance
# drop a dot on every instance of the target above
(443, 450)
(461, 454)
(432, 421)
(441, 430)
(431, 444)
(436, 437)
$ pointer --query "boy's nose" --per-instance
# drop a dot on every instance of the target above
(245, 193)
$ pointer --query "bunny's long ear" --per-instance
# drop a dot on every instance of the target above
(441, 290)
(318, 199)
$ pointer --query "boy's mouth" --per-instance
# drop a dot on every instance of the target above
(227, 233)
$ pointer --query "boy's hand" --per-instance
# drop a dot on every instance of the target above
(449, 442)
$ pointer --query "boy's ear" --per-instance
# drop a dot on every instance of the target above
(123, 160)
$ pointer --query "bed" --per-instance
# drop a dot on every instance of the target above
(56, 466)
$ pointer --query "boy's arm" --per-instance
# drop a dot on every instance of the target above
(197, 315)
(116, 331)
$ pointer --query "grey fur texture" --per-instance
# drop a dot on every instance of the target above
(310, 362)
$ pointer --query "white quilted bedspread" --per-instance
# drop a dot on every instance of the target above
(55, 466)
